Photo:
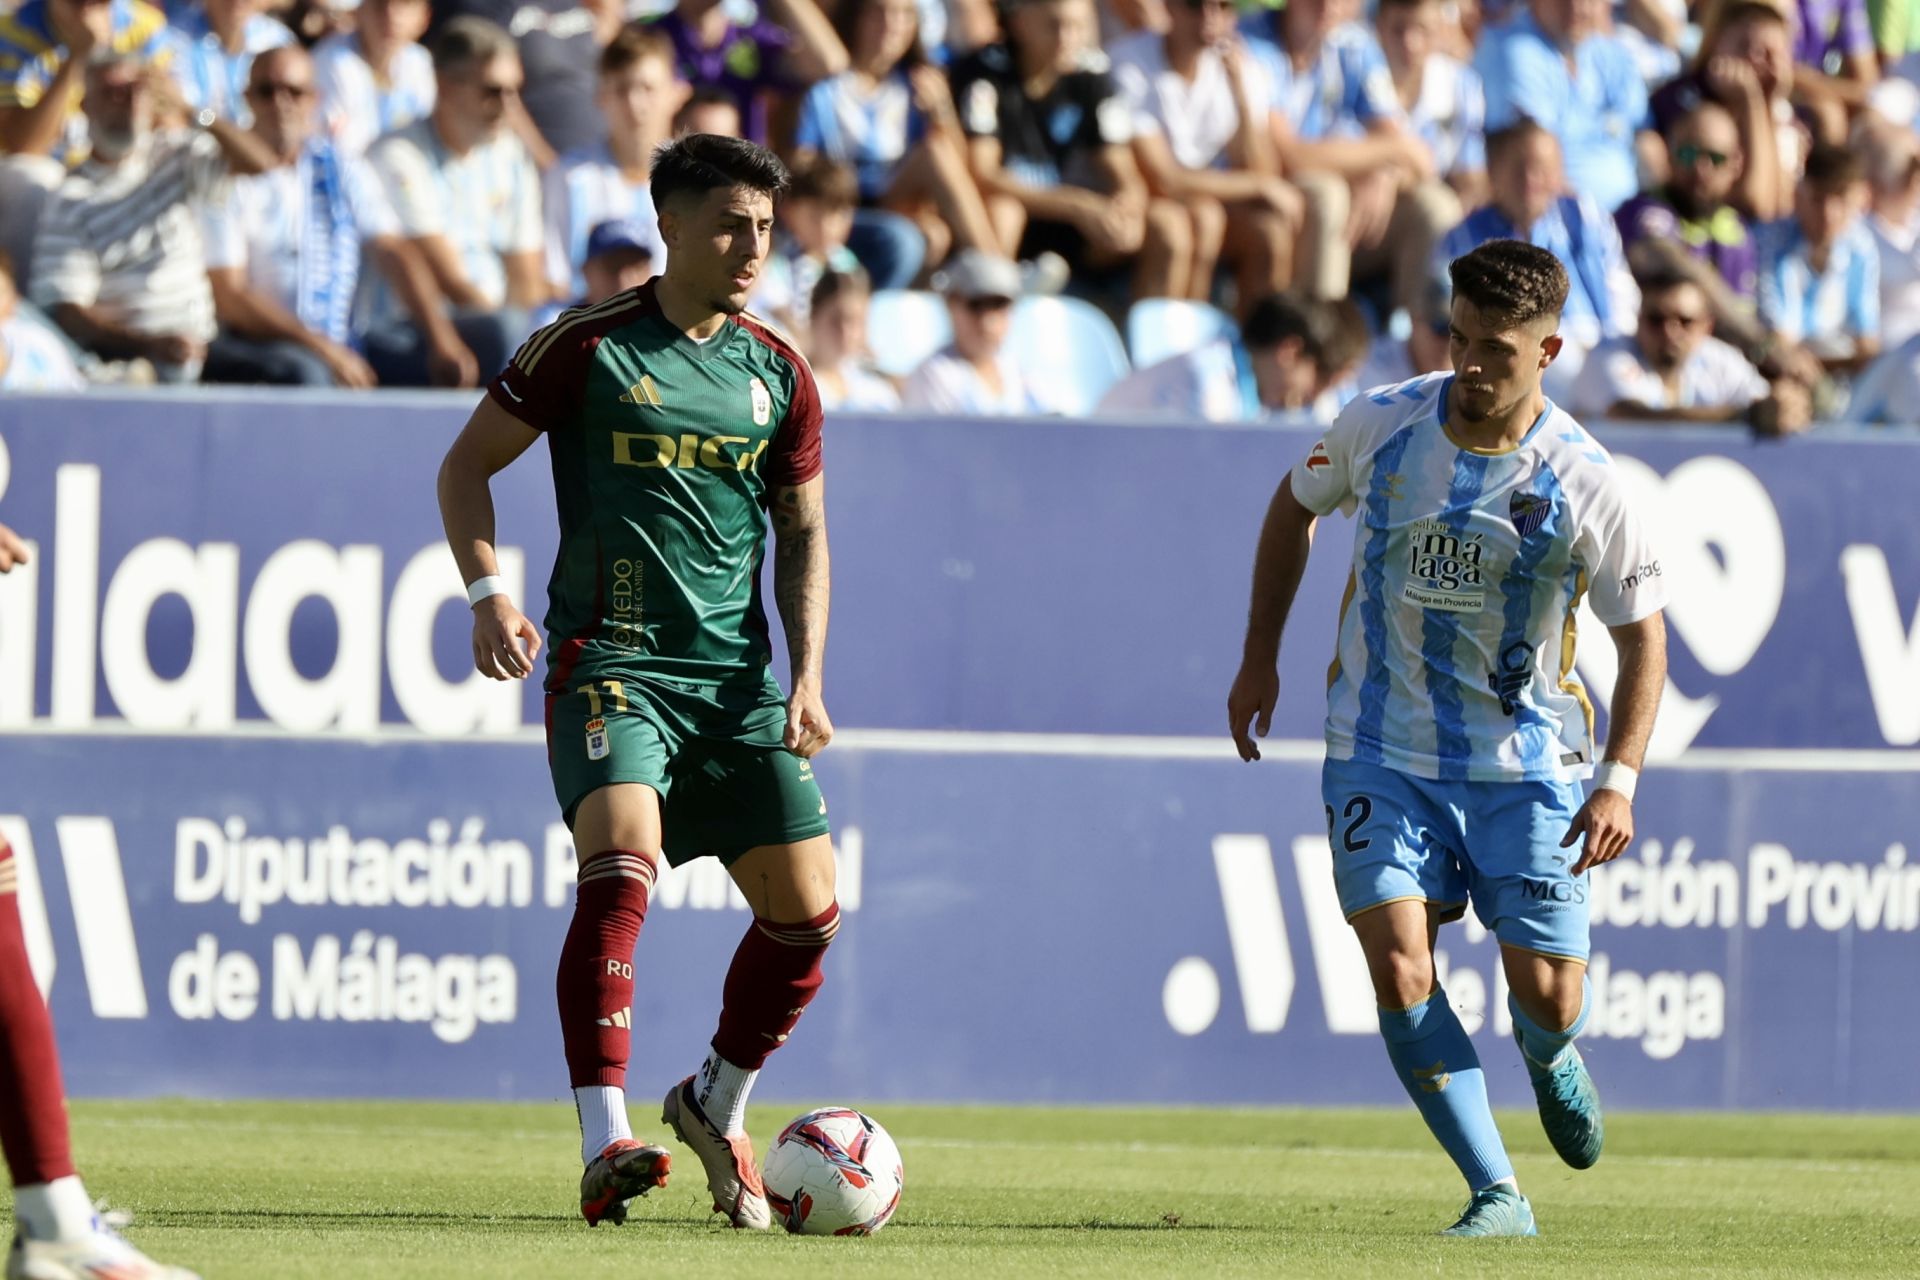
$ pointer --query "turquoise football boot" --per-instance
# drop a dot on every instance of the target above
(1500, 1210)
(1569, 1105)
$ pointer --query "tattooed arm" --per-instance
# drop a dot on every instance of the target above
(801, 588)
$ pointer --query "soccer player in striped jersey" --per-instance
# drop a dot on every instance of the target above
(57, 1233)
(676, 423)
(1457, 731)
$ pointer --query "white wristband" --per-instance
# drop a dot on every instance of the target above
(480, 588)
(1614, 776)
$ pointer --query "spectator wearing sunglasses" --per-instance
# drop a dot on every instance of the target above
(284, 248)
(1673, 369)
(977, 374)
(1692, 227)
(467, 196)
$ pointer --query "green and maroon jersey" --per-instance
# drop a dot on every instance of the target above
(664, 453)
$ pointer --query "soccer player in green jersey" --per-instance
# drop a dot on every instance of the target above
(676, 423)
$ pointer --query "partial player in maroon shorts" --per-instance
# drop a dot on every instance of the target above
(676, 424)
(56, 1232)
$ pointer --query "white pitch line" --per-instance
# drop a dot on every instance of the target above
(1791, 1164)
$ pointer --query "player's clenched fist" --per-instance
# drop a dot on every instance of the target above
(505, 642)
(1255, 692)
(1607, 821)
(808, 729)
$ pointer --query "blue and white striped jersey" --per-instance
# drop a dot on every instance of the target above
(1455, 654)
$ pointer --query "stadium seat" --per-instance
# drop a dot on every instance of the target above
(904, 327)
(1067, 338)
(1161, 327)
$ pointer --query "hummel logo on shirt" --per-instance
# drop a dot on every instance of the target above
(618, 1018)
(643, 392)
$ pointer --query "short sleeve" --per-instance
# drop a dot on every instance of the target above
(223, 230)
(1856, 31)
(810, 131)
(978, 99)
(23, 78)
(1610, 375)
(1323, 481)
(794, 458)
(206, 167)
(373, 215)
(1625, 580)
(410, 186)
(1863, 288)
(1136, 90)
(65, 269)
(525, 232)
(1108, 121)
(557, 209)
(1471, 124)
(1374, 97)
(542, 384)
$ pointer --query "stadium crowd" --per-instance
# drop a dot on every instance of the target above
(370, 193)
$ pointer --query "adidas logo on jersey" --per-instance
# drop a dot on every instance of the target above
(618, 1018)
(643, 392)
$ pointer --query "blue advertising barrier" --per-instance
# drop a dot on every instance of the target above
(319, 856)
(241, 917)
(1057, 577)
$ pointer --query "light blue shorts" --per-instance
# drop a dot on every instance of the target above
(1497, 844)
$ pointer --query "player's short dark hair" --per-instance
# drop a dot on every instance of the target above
(1280, 316)
(833, 285)
(634, 44)
(467, 40)
(689, 167)
(1665, 279)
(1501, 141)
(820, 177)
(1511, 281)
(1833, 168)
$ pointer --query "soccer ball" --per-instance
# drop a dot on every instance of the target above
(834, 1172)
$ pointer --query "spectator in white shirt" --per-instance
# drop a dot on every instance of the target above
(1893, 181)
(1203, 136)
(1446, 104)
(118, 263)
(467, 196)
(837, 346)
(284, 249)
(377, 77)
(976, 374)
(1673, 369)
(639, 92)
(1291, 352)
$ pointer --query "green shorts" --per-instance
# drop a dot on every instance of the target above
(714, 756)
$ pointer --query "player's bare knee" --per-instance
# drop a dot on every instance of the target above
(1549, 989)
(789, 882)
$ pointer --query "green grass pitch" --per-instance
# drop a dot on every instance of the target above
(457, 1190)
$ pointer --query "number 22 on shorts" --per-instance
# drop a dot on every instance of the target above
(1359, 809)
